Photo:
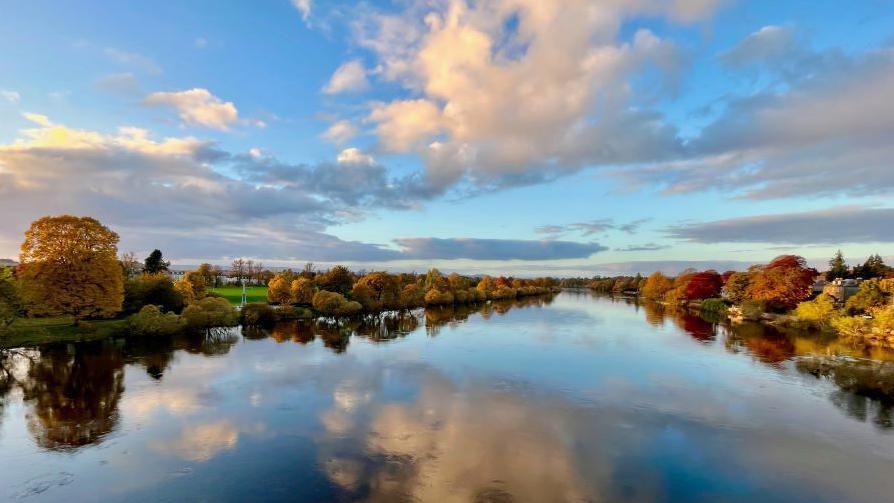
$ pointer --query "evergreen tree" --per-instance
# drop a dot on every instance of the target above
(837, 267)
(155, 263)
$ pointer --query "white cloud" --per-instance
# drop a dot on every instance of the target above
(517, 106)
(197, 107)
(10, 96)
(355, 156)
(403, 125)
(201, 42)
(349, 77)
(304, 7)
(340, 132)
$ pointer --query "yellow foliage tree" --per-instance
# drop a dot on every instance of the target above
(302, 291)
(70, 267)
(279, 290)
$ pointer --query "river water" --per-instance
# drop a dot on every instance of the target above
(575, 398)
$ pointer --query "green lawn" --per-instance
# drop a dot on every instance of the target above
(29, 331)
(234, 293)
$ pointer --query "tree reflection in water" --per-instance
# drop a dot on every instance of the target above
(73, 391)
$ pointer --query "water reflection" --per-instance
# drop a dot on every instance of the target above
(569, 399)
(72, 392)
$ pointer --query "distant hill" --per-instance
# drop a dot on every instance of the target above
(5, 262)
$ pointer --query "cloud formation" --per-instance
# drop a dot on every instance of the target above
(842, 224)
(591, 227)
(512, 92)
(494, 249)
(349, 77)
(197, 107)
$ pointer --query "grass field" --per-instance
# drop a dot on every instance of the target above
(234, 293)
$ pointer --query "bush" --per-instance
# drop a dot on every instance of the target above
(294, 313)
(257, 314)
(753, 309)
(151, 321)
(717, 306)
(334, 304)
(818, 312)
(210, 312)
(154, 290)
(869, 295)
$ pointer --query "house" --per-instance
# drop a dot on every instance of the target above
(842, 289)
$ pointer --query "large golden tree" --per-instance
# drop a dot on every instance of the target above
(69, 267)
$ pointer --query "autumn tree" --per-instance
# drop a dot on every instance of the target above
(656, 286)
(69, 266)
(191, 287)
(207, 274)
(736, 287)
(783, 283)
(237, 269)
(703, 285)
(155, 263)
(385, 287)
(338, 279)
(302, 291)
(279, 289)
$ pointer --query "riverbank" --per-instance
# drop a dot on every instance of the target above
(33, 331)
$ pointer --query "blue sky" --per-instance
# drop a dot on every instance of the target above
(513, 136)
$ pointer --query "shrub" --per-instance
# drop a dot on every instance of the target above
(294, 313)
(257, 314)
(151, 289)
(210, 312)
(410, 297)
(279, 290)
(504, 293)
(868, 296)
(334, 304)
(753, 309)
(151, 321)
(717, 306)
(366, 297)
(818, 312)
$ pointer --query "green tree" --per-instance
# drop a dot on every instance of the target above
(837, 267)
(155, 263)
(11, 306)
(338, 279)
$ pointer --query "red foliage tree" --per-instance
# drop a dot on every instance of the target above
(783, 283)
(703, 285)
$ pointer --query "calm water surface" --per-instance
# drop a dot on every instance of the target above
(575, 399)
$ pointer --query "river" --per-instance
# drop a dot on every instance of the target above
(574, 398)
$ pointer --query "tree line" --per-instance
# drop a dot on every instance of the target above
(69, 267)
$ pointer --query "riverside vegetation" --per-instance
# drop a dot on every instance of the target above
(71, 283)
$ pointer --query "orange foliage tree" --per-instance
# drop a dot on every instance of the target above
(782, 283)
(69, 266)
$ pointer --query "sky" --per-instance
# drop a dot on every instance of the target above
(522, 137)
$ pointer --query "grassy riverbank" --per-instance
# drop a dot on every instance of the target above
(30, 331)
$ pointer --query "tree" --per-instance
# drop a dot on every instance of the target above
(385, 288)
(837, 267)
(237, 269)
(338, 279)
(152, 290)
(868, 296)
(130, 266)
(656, 286)
(783, 283)
(10, 303)
(279, 290)
(703, 285)
(191, 287)
(155, 263)
(736, 287)
(302, 291)
(69, 266)
(207, 274)
(874, 267)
